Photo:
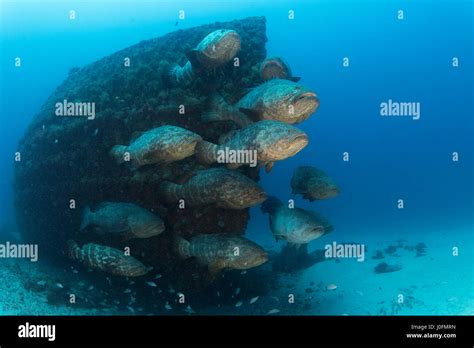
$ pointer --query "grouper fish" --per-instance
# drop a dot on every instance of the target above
(313, 184)
(295, 225)
(159, 145)
(276, 99)
(106, 259)
(215, 49)
(122, 219)
(272, 141)
(276, 68)
(218, 186)
(221, 251)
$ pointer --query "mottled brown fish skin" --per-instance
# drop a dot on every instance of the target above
(125, 219)
(106, 259)
(273, 141)
(215, 49)
(313, 184)
(221, 251)
(159, 145)
(218, 47)
(295, 225)
(222, 187)
(276, 99)
(274, 68)
(272, 101)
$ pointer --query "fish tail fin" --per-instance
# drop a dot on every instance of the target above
(169, 191)
(118, 152)
(206, 152)
(86, 218)
(220, 110)
(295, 246)
(217, 109)
(182, 247)
(271, 205)
(181, 76)
(73, 250)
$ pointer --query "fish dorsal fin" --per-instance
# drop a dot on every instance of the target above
(193, 57)
(269, 166)
(226, 137)
(136, 135)
(186, 177)
(253, 114)
(294, 78)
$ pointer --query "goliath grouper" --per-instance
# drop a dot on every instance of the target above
(296, 226)
(221, 251)
(313, 184)
(215, 49)
(125, 219)
(276, 99)
(276, 68)
(106, 259)
(225, 188)
(159, 145)
(272, 141)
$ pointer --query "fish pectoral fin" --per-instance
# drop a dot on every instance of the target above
(233, 165)
(294, 245)
(253, 114)
(294, 78)
(193, 57)
(214, 268)
(269, 166)
(136, 135)
(186, 177)
(226, 137)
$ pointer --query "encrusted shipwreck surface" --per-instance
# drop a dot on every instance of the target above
(67, 158)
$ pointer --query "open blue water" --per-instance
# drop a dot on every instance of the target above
(390, 158)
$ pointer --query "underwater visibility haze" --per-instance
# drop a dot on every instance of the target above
(236, 158)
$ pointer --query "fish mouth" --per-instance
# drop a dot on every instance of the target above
(306, 95)
(317, 232)
(300, 141)
(262, 258)
(260, 197)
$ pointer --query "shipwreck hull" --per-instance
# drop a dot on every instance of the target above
(67, 158)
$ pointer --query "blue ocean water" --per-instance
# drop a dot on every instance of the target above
(390, 158)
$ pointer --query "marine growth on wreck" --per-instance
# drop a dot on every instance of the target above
(161, 178)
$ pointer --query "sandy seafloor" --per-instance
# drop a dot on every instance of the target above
(435, 284)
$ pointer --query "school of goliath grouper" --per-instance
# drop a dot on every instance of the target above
(171, 188)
